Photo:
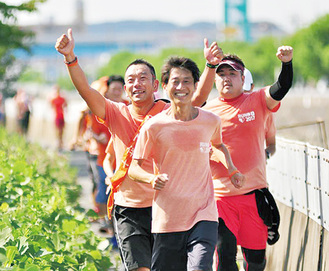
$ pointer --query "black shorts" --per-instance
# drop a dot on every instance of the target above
(187, 250)
(133, 233)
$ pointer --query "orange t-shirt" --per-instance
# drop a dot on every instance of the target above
(181, 150)
(243, 131)
(98, 129)
(123, 127)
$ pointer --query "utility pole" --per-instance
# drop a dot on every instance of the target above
(236, 20)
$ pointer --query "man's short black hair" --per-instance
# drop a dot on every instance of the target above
(144, 62)
(182, 63)
(115, 78)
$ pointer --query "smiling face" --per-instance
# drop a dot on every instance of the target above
(115, 91)
(140, 84)
(229, 82)
(180, 86)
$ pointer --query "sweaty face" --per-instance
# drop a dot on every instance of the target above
(229, 82)
(140, 85)
(181, 86)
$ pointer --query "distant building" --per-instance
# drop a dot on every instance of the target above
(80, 17)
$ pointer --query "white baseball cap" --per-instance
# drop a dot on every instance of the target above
(247, 80)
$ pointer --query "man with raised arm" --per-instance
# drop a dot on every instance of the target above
(243, 117)
(133, 201)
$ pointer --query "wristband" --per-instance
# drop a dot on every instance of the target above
(268, 154)
(211, 66)
(72, 63)
(233, 172)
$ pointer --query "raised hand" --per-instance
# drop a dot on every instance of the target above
(159, 181)
(212, 54)
(284, 53)
(65, 44)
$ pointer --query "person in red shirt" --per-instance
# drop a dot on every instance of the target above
(59, 104)
(243, 118)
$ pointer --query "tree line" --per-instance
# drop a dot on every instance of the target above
(311, 55)
(311, 52)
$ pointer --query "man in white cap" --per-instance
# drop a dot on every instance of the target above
(248, 84)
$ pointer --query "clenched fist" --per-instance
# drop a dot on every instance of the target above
(284, 53)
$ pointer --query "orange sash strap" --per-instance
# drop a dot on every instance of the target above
(120, 174)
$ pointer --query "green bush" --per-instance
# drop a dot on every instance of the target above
(41, 227)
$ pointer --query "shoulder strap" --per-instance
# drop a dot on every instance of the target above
(120, 174)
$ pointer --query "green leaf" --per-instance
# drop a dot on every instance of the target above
(82, 228)
(5, 236)
(19, 166)
(70, 259)
(69, 226)
(43, 252)
(96, 254)
(32, 267)
(23, 245)
(11, 252)
(92, 214)
(57, 242)
(4, 207)
(3, 258)
(90, 267)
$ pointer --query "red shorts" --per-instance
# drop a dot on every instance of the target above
(241, 217)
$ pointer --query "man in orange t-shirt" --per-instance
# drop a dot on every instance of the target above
(178, 141)
(133, 201)
(243, 118)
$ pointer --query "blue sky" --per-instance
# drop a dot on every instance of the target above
(288, 14)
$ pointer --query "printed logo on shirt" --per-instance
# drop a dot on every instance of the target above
(246, 117)
(205, 147)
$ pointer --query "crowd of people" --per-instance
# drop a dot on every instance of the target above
(184, 175)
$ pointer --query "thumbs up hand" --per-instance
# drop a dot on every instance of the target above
(65, 45)
(212, 54)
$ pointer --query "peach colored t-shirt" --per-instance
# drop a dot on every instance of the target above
(243, 131)
(181, 150)
(123, 128)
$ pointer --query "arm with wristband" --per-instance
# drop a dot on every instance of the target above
(235, 175)
(276, 92)
(95, 101)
